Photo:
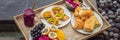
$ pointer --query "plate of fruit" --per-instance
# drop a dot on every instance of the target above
(55, 15)
(41, 32)
(86, 21)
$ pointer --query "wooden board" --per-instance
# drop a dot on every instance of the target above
(70, 33)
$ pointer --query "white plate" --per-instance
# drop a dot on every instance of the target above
(63, 23)
(84, 32)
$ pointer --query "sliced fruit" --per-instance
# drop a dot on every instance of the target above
(59, 16)
(45, 31)
(47, 15)
(52, 35)
(53, 21)
(44, 38)
(60, 34)
(53, 28)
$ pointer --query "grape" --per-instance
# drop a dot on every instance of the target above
(118, 11)
(106, 17)
(111, 39)
(103, 13)
(111, 34)
(112, 16)
(36, 32)
(110, 20)
(115, 38)
(109, 0)
(118, 19)
(116, 30)
(117, 25)
(110, 12)
(107, 37)
(102, 6)
(114, 2)
(116, 35)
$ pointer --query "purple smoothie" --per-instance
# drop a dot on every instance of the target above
(29, 17)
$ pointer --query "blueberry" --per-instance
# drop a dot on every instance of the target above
(107, 37)
(116, 35)
(116, 13)
(110, 12)
(110, 5)
(114, 2)
(117, 25)
(106, 9)
(118, 10)
(111, 39)
(115, 30)
(118, 1)
(115, 38)
(112, 24)
(114, 8)
(32, 35)
(110, 20)
(107, 5)
(103, 13)
(36, 32)
(118, 19)
(101, 10)
(118, 5)
(102, 6)
(111, 34)
(109, 0)
(106, 17)
(112, 16)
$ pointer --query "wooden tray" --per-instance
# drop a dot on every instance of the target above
(70, 33)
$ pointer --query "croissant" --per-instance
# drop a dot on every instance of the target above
(90, 24)
(79, 24)
(97, 23)
(77, 9)
(87, 13)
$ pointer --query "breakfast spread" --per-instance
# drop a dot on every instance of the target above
(85, 19)
(54, 18)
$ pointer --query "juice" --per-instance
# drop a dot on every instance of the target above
(29, 17)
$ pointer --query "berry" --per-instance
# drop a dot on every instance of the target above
(36, 32)
(118, 19)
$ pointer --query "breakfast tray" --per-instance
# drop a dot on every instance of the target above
(70, 33)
